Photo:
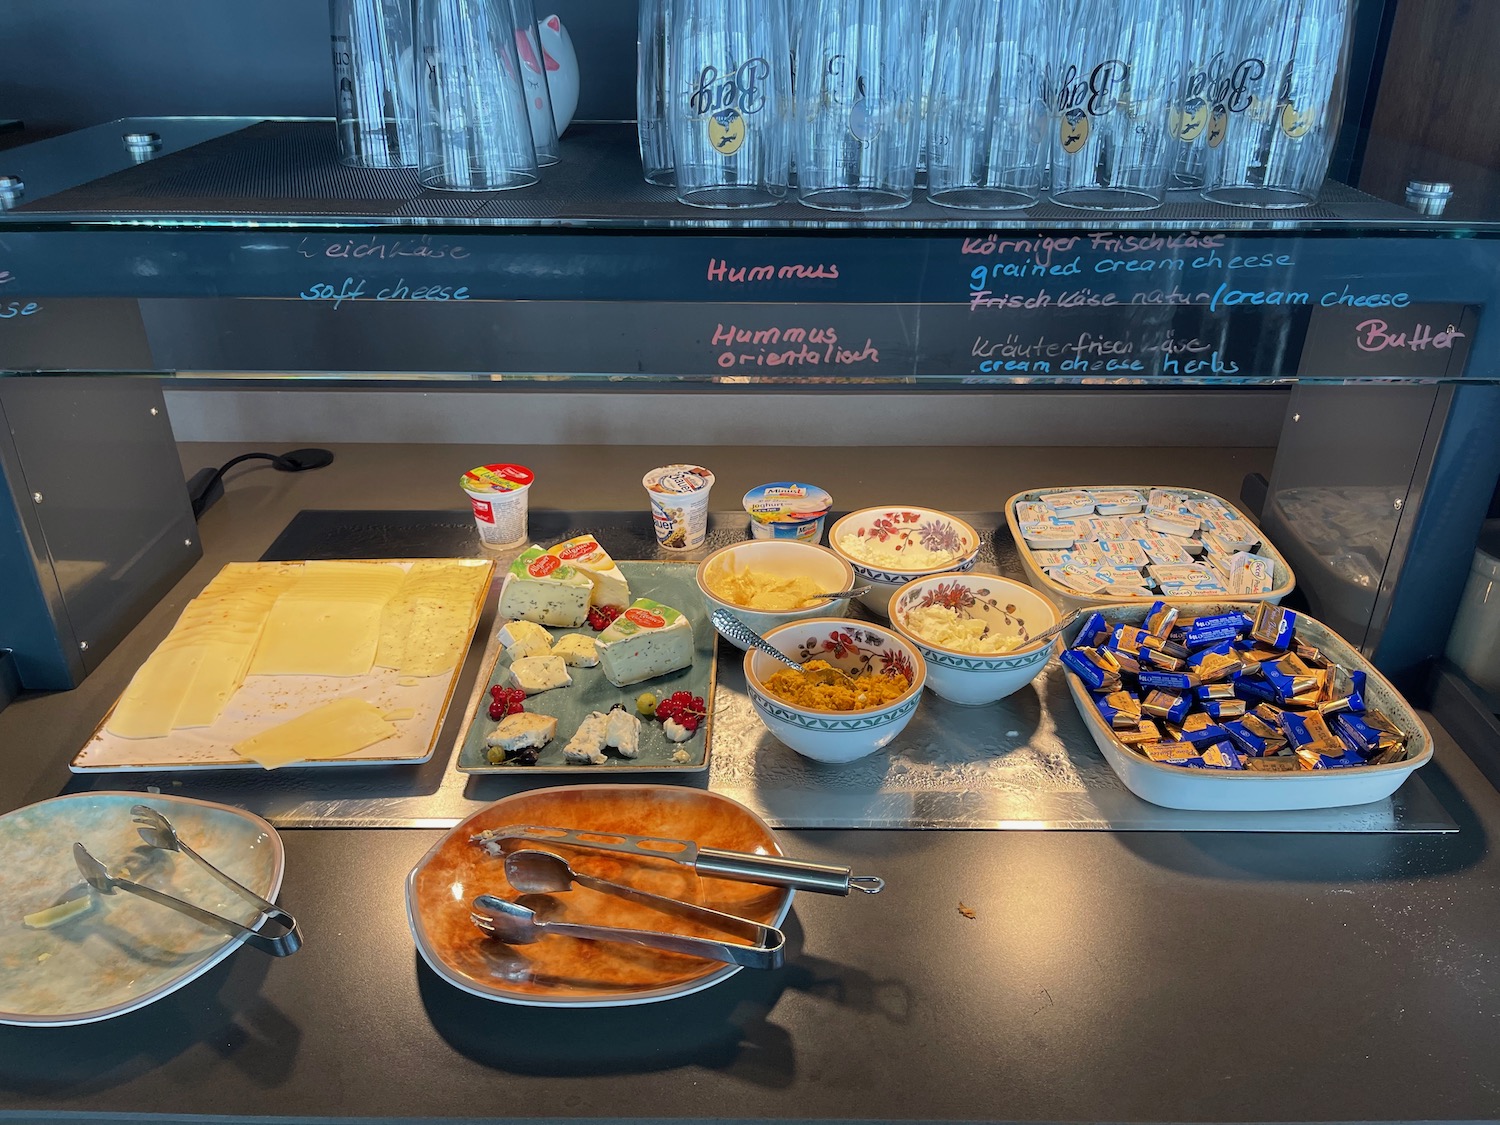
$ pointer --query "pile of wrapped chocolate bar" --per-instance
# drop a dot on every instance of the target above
(1236, 690)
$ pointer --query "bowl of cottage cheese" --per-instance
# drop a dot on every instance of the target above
(974, 631)
(889, 546)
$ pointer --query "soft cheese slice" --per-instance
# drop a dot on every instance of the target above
(517, 732)
(647, 640)
(533, 674)
(623, 733)
(540, 587)
(584, 552)
(588, 741)
(330, 731)
(525, 638)
(577, 651)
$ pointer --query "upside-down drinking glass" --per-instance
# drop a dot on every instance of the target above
(859, 93)
(651, 119)
(987, 117)
(1119, 63)
(474, 132)
(730, 85)
(534, 83)
(1204, 65)
(375, 104)
(1276, 115)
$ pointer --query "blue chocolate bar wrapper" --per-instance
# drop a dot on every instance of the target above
(1219, 757)
(1085, 669)
(1357, 734)
(1167, 681)
(1258, 691)
(1093, 632)
(1210, 630)
(1246, 740)
(1207, 734)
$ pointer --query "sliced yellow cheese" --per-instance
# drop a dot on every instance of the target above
(218, 676)
(318, 638)
(149, 706)
(330, 731)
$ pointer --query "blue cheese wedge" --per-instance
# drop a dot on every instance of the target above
(523, 730)
(588, 741)
(577, 651)
(533, 674)
(584, 552)
(525, 638)
(647, 640)
(542, 588)
(623, 733)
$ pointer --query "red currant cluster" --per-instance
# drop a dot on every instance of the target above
(684, 707)
(600, 616)
(506, 701)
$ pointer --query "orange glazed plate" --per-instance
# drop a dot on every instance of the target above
(571, 972)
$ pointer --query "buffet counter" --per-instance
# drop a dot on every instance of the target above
(1001, 975)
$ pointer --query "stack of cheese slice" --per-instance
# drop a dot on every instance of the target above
(192, 674)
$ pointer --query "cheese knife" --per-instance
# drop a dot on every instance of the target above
(742, 867)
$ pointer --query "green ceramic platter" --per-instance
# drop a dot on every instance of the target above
(671, 583)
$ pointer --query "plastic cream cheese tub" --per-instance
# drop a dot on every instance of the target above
(787, 510)
(499, 496)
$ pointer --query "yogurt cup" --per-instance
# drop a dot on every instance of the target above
(500, 496)
(787, 510)
(679, 505)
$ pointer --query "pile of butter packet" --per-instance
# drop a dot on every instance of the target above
(1119, 543)
(1230, 691)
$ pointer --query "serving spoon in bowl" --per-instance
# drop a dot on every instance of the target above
(852, 592)
(736, 630)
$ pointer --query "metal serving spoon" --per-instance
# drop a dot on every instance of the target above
(736, 630)
(515, 924)
(852, 592)
(531, 871)
(157, 831)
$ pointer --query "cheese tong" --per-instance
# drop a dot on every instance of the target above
(515, 924)
(742, 867)
(280, 945)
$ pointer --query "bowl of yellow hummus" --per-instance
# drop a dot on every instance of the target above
(767, 582)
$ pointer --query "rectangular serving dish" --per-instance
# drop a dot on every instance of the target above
(1176, 787)
(671, 583)
(1067, 599)
(262, 698)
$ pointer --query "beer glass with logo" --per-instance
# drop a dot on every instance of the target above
(987, 118)
(473, 130)
(1277, 108)
(1205, 58)
(375, 103)
(859, 92)
(1118, 66)
(730, 87)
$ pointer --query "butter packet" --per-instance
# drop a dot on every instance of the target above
(1251, 574)
(1186, 574)
(1029, 511)
(1079, 578)
(1069, 502)
(1171, 521)
(1105, 529)
(1233, 532)
(1123, 552)
(1118, 501)
(1054, 534)
(1164, 549)
(1166, 498)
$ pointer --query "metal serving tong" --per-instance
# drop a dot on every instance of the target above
(538, 872)
(283, 938)
(742, 867)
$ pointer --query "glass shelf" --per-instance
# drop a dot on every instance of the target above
(251, 172)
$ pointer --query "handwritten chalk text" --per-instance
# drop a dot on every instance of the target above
(787, 347)
(720, 270)
(1376, 336)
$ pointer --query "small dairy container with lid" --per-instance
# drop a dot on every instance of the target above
(787, 510)
(500, 497)
(679, 504)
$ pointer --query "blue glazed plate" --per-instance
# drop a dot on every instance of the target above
(125, 952)
(671, 583)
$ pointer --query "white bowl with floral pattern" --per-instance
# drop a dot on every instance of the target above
(889, 546)
(1006, 609)
(854, 647)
